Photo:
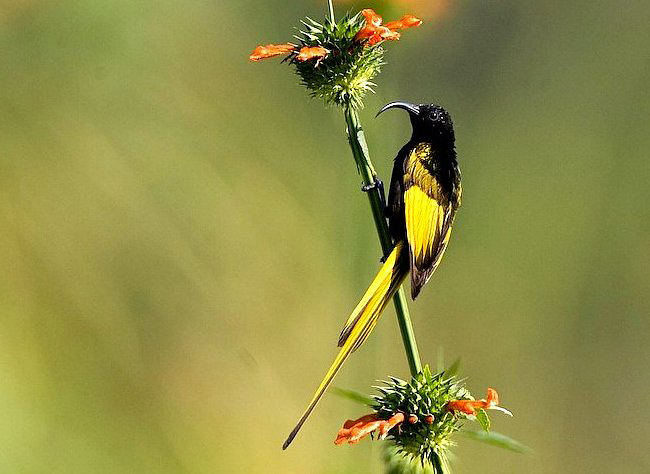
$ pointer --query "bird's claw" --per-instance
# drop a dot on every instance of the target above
(377, 184)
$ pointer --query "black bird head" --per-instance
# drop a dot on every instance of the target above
(430, 122)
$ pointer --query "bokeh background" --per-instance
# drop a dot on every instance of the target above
(182, 234)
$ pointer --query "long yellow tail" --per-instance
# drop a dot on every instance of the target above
(361, 322)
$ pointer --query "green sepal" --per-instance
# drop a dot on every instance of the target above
(483, 418)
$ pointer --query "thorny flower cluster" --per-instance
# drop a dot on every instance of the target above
(337, 61)
(420, 416)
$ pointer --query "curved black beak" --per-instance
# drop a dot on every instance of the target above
(410, 108)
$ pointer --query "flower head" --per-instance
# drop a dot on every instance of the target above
(337, 61)
(420, 416)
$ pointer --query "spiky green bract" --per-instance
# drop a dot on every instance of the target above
(345, 75)
(426, 395)
(397, 463)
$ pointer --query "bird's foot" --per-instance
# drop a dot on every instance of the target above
(377, 184)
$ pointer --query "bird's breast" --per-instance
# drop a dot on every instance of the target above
(424, 170)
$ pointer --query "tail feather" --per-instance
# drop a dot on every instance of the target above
(381, 290)
(361, 322)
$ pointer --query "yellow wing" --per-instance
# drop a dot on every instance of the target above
(428, 215)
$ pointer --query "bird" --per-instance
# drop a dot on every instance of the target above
(424, 194)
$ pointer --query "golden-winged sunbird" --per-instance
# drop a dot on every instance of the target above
(424, 194)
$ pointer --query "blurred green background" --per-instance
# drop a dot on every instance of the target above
(182, 234)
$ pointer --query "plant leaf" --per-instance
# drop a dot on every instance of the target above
(497, 439)
(353, 395)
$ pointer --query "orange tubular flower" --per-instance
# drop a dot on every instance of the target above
(271, 50)
(407, 21)
(315, 52)
(374, 32)
(354, 431)
(372, 19)
(383, 33)
(469, 407)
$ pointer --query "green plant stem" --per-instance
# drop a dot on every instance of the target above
(331, 7)
(367, 171)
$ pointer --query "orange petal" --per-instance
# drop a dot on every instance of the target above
(354, 431)
(341, 438)
(469, 406)
(270, 50)
(372, 19)
(387, 34)
(351, 426)
(365, 33)
(358, 433)
(492, 397)
(310, 52)
(364, 419)
(382, 34)
(463, 406)
(411, 21)
(392, 422)
(407, 21)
